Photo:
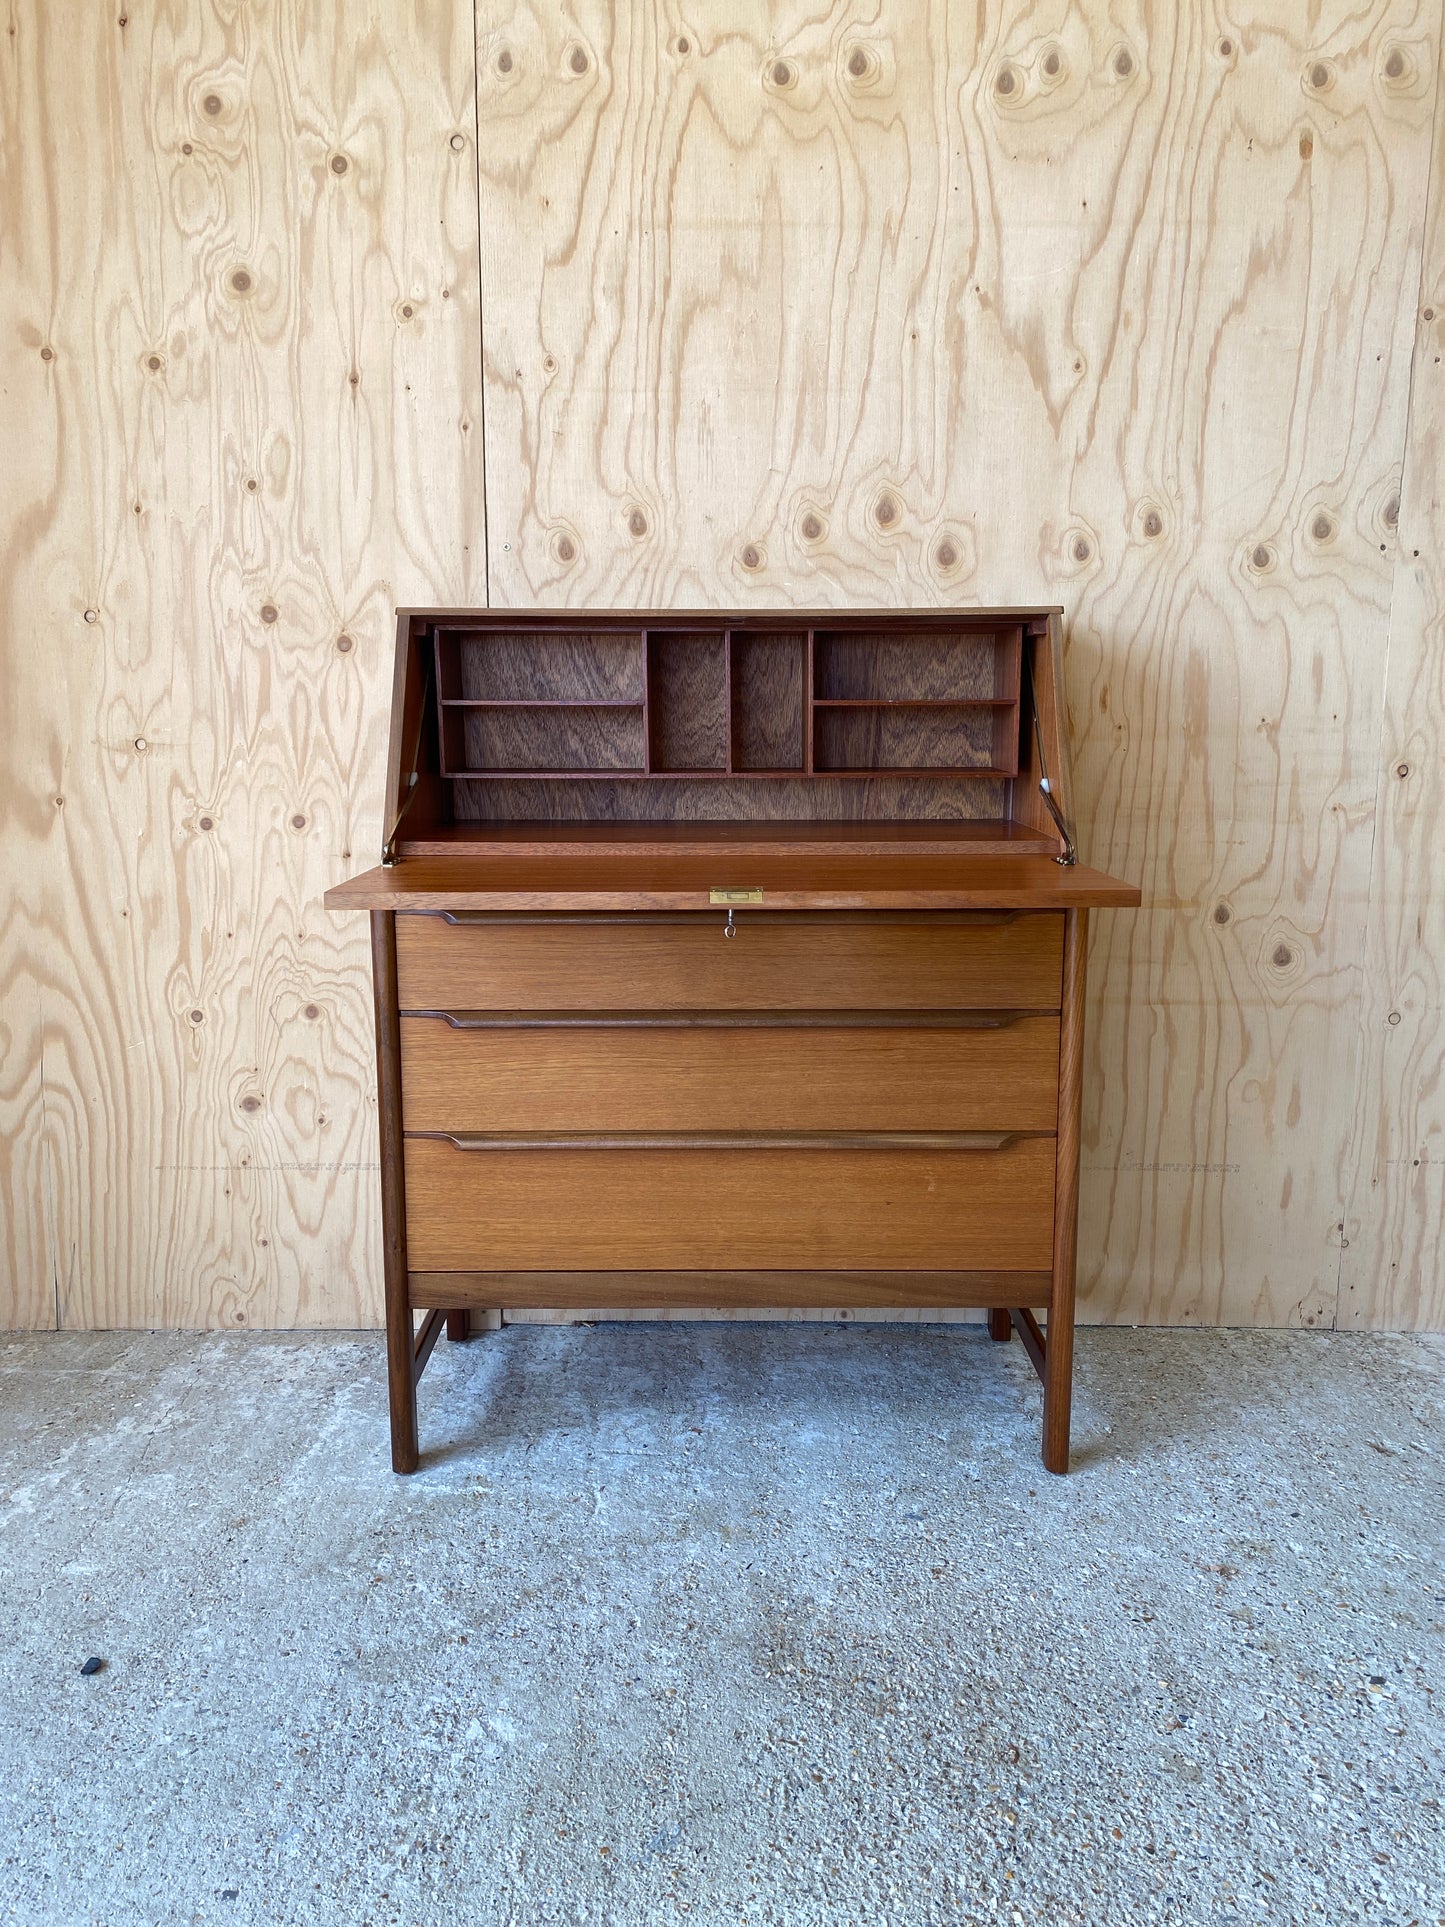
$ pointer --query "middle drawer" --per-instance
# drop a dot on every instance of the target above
(971, 1072)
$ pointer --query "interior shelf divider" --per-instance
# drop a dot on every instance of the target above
(808, 708)
(646, 703)
(542, 702)
(729, 698)
(915, 702)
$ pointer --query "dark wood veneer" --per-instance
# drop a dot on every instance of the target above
(714, 716)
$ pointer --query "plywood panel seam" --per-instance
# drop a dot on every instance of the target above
(481, 297)
(1362, 1150)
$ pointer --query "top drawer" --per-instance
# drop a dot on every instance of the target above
(809, 960)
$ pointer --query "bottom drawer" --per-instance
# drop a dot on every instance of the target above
(709, 1209)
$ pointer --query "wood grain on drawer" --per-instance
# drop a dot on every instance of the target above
(770, 1209)
(693, 1077)
(647, 1290)
(774, 962)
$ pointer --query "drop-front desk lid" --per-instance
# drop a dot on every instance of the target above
(754, 881)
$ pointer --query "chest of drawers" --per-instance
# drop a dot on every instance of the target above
(636, 1060)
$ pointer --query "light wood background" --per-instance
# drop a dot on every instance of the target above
(308, 310)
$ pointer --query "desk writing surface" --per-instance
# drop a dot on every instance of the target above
(685, 882)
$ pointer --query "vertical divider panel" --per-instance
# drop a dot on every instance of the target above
(446, 751)
(808, 708)
(452, 757)
(451, 749)
(730, 694)
(1008, 676)
(646, 702)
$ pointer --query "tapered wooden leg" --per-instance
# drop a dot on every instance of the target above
(1058, 1371)
(401, 1389)
(401, 1370)
(459, 1326)
(1000, 1325)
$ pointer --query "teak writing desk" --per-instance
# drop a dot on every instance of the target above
(725, 960)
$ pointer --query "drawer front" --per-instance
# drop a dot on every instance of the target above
(776, 961)
(778, 1210)
(699, 1078)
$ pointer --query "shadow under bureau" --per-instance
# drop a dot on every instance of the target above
(729, 960)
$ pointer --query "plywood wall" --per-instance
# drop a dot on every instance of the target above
(1106, 303)
(242, 418)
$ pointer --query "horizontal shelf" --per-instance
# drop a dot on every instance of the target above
(547, 627)
(919, 769)
(891, 837)
(551, 775)
(542, 702)
(915, 702)
(704, 775)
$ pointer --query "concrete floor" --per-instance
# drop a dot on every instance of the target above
(750, 1624)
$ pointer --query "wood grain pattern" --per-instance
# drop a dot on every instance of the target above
(764, 1210)
(1392, 1274)
(757, 1290)
(887, 738)
(1110, 306)
(688, 702)
(850, 836)
(666, 881)
(240, 364)
(719, 799)
(553, 739)
(768, 722)
(772, 963)
(527, 665)
(864, 668)
(730, 1080)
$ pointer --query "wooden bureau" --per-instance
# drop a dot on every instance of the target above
(729, 960)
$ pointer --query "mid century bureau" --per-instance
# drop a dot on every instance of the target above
(729, 960)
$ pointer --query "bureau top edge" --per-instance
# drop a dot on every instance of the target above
(764, 617)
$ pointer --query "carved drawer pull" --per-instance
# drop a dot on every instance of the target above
(731, 1140)
(727, 1019)
(702, 916)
